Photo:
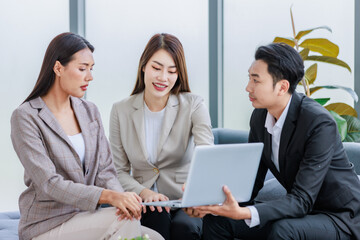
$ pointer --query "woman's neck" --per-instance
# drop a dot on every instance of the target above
(57, 101)
(155, 104)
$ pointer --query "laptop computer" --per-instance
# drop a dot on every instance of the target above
(212, 167)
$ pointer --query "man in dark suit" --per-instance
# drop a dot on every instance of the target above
(303, 149)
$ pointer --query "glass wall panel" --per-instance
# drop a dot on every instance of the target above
(250, 24)
(119, 30)
(26, 29)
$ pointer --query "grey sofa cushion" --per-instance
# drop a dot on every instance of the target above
(353, 152)
(9, 222)
(272, 190)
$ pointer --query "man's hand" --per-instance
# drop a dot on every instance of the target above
(230, 208)
(192, 212)
(150, 196)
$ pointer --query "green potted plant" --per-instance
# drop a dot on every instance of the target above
(144, 237)
(323, 50)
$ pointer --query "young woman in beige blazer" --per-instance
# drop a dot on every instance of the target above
(153, 133)
(59, 139)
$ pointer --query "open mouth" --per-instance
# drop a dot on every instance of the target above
(159, 87)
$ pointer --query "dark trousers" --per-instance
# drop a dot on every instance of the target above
(317, 227)
(174, 225)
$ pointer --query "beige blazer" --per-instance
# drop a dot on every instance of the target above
(58, 186)
(186, 122)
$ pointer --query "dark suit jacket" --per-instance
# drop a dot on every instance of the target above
(314, 168)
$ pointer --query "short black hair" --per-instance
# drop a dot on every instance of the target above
(283, 61)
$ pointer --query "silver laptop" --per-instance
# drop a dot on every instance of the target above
(212, 167)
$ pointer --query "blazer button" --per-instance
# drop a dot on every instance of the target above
(156, 170)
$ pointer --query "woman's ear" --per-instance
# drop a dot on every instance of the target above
(57, 68)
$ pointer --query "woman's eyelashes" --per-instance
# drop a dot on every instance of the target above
(158, 69)
(84, 69)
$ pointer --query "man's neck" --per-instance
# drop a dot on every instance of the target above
(279, 107)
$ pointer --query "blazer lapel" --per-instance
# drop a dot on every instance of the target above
(48, 117)
(171, 110)
(138, 120)
(288, 128)
(84, 121)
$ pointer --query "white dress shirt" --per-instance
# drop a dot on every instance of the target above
(274, 128)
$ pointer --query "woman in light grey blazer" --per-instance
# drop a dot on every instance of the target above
(153, 133)
(60, 140)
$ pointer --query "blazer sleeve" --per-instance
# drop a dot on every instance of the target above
(201, 124)
(31, 150)
(121, 161)
(106, 175)
(310, 176)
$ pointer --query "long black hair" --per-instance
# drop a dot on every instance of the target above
(61, 48)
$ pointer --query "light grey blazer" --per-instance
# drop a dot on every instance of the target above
(58, 187)
(186, 122)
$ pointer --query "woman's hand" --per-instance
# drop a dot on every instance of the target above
(150, 196)
(128, 204)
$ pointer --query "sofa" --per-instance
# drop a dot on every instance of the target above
(272, 189)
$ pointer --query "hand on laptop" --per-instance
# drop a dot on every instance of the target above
(230, 208)
(150, 196)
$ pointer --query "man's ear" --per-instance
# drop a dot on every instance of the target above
(57, 68)
(284, 86)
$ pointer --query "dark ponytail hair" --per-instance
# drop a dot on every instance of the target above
(61, 48)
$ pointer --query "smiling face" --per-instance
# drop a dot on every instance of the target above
(74, 78)
(160, 75)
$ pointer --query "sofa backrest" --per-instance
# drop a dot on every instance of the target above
(353, 151)
(227, 136)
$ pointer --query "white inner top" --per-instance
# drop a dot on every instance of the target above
(153, 129)
(78, 143)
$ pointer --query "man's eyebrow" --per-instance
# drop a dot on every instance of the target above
(163, 65)
(254, 75)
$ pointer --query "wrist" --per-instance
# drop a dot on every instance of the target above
(145, 192)
(246, 213)
(106, 197)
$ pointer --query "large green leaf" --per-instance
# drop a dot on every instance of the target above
(330, 60)
(342, 109)
(284, 40)
(348, 90)
(310, 73)
(353, 129)
(304, 53)
(305, 32)
(322, 46)
(341, 124)
(322, 101)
